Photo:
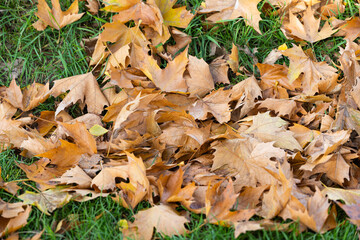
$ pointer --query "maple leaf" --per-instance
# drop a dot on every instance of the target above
(349, 196)
(9, 220)
(199, 80)
(248, 158)
(28, 99)
(161, 217)
(314, 72)
(219, 70)
(55, 17)
(245, 93)
(351, 29)
(352, 210)
(10, 187)
(273, 75)
(314, 214)
(170, 189)
(216, 103)
(336, 168)
(234, 58)
(176, 17)
(218, 204)
(169, 79)
(148, 15)
(93, 6)
(268, 129)
(118, 5)
(232, 9)
(76, 176)
(323, 145)
(46, 201)
(181, 39)
(82, 88)
(309, 29)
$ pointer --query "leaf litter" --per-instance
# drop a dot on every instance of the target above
(284, 144)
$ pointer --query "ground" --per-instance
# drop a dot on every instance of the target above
(30, 55)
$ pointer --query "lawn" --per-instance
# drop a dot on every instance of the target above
(44, 56)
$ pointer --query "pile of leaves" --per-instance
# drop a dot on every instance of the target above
(159, 128)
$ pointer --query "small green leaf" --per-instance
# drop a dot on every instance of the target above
(97, 130)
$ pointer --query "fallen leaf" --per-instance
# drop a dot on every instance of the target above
(309, 29)
(10, 225)
(268, 129)
(247, 157)
(55, 17)
(83, 88)
(161, 217)
(232, 9)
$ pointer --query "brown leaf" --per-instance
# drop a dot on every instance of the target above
(55, 17)
(9, 225)
(46, 201)
(219, 70)
(308, 30)
(28, 99)
(219, 202)
(351, 29)
(230, 9)
(181, 39)
(176, 17)
(82, 88)
(93, 6)
(314, 214)
(162, 217)
(314, 72)
(169, 79)
(199, 80)
(248, 158)
(170, 189)
(216, 103)
(268, 129)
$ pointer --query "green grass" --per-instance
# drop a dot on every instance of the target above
(51, 54)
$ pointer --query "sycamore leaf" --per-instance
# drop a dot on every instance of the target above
(10, 225)
(170, 188)
(234, 58)
(93, 6)
(46, 201)
(162, 217)
(10, 210)
(75, 176)
(216, 103)
(314, 214)
(199, 80)
(82, 88)
(247, 157)
(176, 17)
(315, 73)
(352, 210)
(351, 29)
(349, 196)
(218, 204)
(118, 5)
(147, 14)
(169, 79)
(181, 39)
(308, 30)
(55, 17)
(27, 99)
(232, 9)
(268, 129)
